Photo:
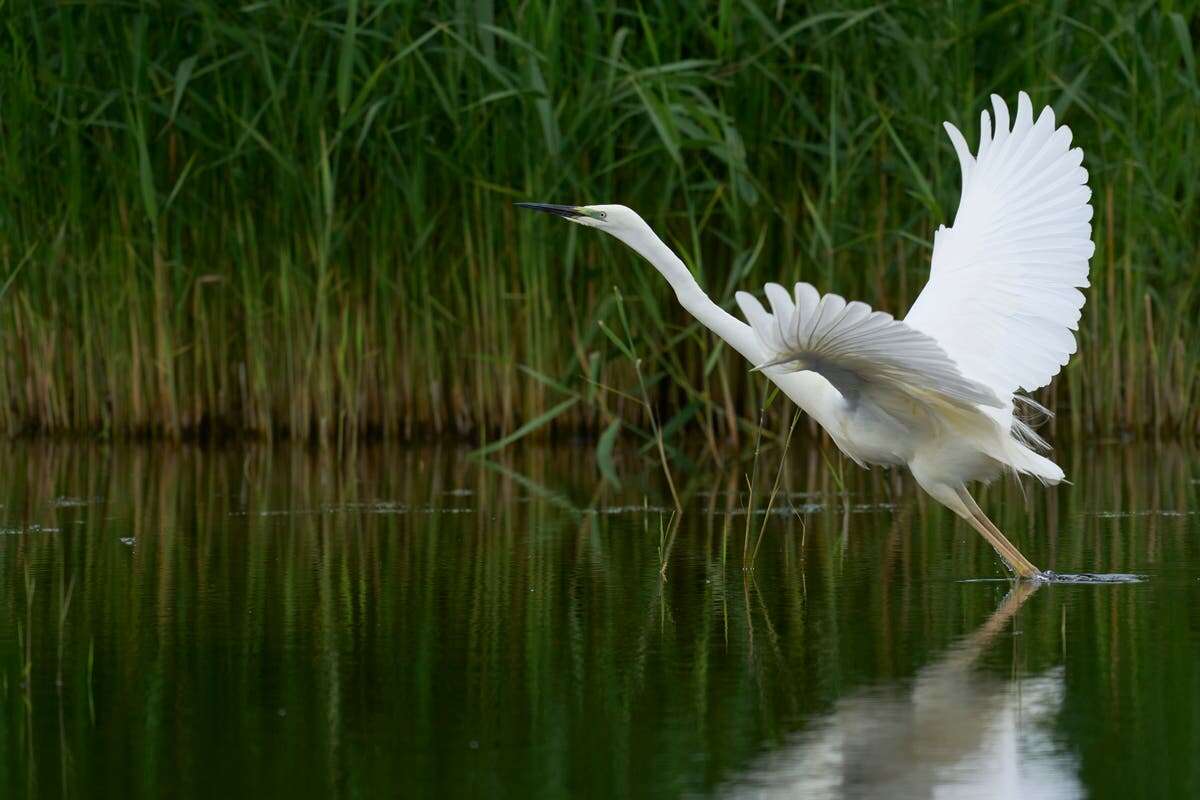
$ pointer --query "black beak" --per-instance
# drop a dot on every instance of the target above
(560, 211)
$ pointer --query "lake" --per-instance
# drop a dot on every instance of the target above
(392, 621)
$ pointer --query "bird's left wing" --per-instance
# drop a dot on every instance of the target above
(855, 348)
(1003, 297)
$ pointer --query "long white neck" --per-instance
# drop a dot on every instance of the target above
(737, 333)
(808, 390)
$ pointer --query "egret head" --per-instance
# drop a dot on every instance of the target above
(618, 221)
(613, 219)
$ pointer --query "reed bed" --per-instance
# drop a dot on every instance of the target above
(294, 219)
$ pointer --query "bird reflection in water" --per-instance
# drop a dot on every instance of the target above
(953, 732)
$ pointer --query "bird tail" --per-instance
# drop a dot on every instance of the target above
(1022, 459)
(1028, 414)
(1019, 447)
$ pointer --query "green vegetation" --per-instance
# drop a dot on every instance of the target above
(294, 219)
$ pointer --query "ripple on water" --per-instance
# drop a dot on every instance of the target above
(1050, 576)
(1160, 512)
(1091, 577)
(31, 528)
(74, 502)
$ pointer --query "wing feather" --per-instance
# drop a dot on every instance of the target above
(1003, 298)
(855, 348)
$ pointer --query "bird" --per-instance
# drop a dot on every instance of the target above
(937, 391)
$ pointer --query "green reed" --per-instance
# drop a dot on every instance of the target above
(295, 219)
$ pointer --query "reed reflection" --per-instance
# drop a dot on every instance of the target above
(292, 621)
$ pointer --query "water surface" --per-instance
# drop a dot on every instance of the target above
(285, 622)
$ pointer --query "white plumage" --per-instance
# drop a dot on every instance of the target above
(1003, 295)
(855, 348)
(935, 391)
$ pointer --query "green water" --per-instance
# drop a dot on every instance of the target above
(396, 622)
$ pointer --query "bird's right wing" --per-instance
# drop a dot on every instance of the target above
(856, 349)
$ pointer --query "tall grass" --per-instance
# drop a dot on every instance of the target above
(294, 219)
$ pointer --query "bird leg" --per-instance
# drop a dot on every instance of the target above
(1016, 562)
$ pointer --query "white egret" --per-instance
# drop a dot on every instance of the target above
(934, 392)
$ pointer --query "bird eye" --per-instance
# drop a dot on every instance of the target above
(603, 215)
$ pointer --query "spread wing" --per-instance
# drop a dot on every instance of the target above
(1003, 296)
(856, 349)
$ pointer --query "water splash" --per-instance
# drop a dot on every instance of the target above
(1049, 576)
(1091, 577)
